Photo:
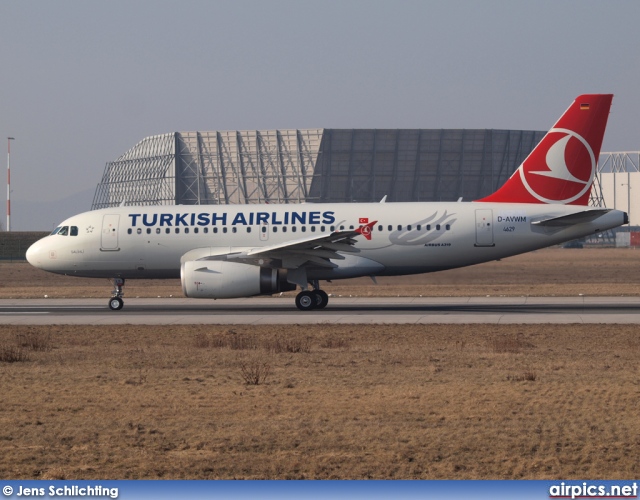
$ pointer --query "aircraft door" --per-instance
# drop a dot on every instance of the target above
(109, 235)
(484, 228)
(264, 231)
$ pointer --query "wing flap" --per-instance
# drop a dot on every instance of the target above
(316, 250)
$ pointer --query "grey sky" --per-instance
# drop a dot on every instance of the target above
(81, 82)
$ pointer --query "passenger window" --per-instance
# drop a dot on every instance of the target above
(322, 229)
(294, 229)
(177, 230)
(195, 230)
(303, 229)
(409, 228)
(234, 229)
(186, 230)
(215, 230)
(64, 231)
(275, 229)
(284, 229)
(157, 230)
(313, 229)
(129, 231)
(447, 227)
(263, 229)
(418, 227)
(437, 227)
(224, 229)
(139, 231)
(390, 227)
(428, 228)
(380, 228)
(206, 230)
(248, 229)
(74, 230)
(148, 230)
(399, 227)
(167, 230)
(333, 228)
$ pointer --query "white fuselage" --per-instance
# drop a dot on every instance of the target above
(408, 238)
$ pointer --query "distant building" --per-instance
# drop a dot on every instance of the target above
(313, 165)
(619, 179)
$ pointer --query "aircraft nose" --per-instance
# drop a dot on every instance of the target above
(34, 254)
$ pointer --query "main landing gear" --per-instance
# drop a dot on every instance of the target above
(308, 300)
(116, 302)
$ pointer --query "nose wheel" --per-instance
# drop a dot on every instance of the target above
(116, 302)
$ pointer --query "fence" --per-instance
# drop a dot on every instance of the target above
(14, 244)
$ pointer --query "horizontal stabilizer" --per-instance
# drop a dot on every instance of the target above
(572, 219)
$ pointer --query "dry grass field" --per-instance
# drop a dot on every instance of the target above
(329, 401)
(464, 401)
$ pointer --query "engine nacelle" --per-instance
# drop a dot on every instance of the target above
(218, 279)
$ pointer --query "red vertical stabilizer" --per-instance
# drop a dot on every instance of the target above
(563, 165)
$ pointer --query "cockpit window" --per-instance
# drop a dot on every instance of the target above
(55, 231)
(74, 230)
(64, 231)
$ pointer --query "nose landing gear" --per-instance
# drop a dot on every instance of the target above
(116, 302)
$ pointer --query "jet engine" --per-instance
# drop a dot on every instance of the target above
(218, 279)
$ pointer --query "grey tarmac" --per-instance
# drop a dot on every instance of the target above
(341, 310)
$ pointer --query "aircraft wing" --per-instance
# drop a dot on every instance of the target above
(317, 250)
(572, 219)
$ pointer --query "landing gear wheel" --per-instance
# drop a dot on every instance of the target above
(115, 303)
(306, 301)
(322, 299)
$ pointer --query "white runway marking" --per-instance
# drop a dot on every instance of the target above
(14, 313)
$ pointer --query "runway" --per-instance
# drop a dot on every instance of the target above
(341, 310)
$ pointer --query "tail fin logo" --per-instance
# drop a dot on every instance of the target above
(559, 182)
(562, 167)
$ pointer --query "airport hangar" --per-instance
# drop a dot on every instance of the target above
(313, 166)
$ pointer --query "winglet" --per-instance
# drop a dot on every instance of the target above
(365, 229)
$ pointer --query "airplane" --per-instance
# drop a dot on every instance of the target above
(231, 251)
